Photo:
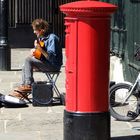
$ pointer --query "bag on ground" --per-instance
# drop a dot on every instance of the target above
(9, 101)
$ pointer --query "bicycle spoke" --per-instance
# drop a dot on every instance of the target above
(122, 102)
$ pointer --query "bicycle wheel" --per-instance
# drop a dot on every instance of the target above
(119, 108)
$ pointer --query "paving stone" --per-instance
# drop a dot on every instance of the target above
(20, 136)
(52, 135)
(2, 129)
(34, 124)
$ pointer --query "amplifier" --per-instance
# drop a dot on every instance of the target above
(42, 93)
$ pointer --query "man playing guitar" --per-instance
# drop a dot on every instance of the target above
(45, 56)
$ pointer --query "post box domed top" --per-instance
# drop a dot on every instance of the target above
(88, 8)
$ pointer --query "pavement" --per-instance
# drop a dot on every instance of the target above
(44, 123)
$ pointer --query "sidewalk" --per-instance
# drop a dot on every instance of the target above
(43, 123)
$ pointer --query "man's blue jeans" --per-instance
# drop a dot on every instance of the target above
(29, 65)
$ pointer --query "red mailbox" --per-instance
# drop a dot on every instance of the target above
(87, 70)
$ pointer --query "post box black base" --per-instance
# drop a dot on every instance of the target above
(86, 126)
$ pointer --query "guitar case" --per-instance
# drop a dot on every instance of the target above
(11, 102)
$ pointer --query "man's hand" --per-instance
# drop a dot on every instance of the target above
(32, 52)
(35, 43)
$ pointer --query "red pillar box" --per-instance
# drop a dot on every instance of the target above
(87, 115)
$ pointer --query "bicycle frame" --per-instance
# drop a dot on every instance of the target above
(132, 89)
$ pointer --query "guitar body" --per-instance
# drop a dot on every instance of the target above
(37, 52)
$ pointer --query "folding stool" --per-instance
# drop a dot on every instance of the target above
(52, 78)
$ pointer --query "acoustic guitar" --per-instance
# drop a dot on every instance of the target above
(39, 50)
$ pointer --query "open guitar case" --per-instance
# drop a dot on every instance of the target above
(11, 102)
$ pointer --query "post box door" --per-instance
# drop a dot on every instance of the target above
(71, 64)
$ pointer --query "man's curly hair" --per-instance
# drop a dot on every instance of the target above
(39, 24)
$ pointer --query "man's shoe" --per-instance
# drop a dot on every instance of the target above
(18, 95)
(24, 88)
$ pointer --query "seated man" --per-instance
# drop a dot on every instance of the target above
(45, 56)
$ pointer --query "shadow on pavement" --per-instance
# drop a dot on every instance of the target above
(136, 137)
(15, 69)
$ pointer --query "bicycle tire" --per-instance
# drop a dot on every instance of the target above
(119, 109)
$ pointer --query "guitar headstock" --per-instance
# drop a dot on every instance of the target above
(42, 43)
